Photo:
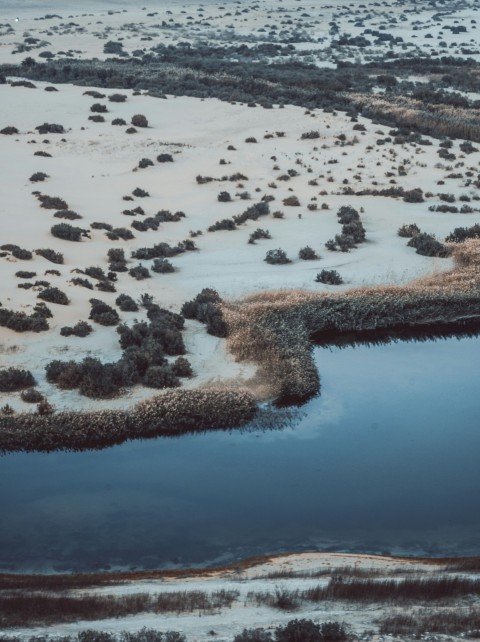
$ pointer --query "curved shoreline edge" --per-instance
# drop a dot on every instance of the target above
(275, 331)
(65, 581)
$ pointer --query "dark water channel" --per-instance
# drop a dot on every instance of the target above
(387, 459)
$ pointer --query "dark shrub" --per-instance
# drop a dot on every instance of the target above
(299, 631)
(182, 368)
(38, 177)
(84, 283)
(54, 295)
(94, 94)
(51, 255)
(9, 131)
(292, 201)
(52, 202)
(355, 230)
(330, 277)
(139, 272)
(408, 230)
(258, 234)
(413, 196)
(131, 130)
(43, 154)
(165, 158)
(69, 215)
(25, 275)
(145, 162)
(347, 214)
(224, 224)
(98, 108)
(111, 47)
(80, 329)
(224, 197)
(427, 245)
(105, 286)
(117, 98)
(68, 232)
(276, 257)
(101, 226)
(160, 377)
(162, 266)
(310, 135)
(205, 307)
(119, 121)
(12, 379)
(31, 395)
(50, 128)
(120, 233)
(20, 253)
(141, 193)
(96, 118)
(139, 120)
(307, 254)
(459, 234)
(126, 303)
(102, 313)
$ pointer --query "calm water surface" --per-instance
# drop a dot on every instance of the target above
(385, 460)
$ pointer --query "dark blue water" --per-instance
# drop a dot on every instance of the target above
(385, 460)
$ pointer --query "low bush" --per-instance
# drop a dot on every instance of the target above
(119, 121)
(330, 277)
(460, 234)
(310, 135)
(52, 202)
(102, 313)
(38, 177)
(165, 158)
(427, 245)
(182, 368)
(50, 128)
(117, 98)
(276, 257)
(96, 118)
(84, 283)
(20, 253)
(413, 196)
(43, 154)
(31, 395)
(51, 255)
(54, 295)
(69, 215)
(139, 272)
(68, 232)
(9, 131)
(140, 193)
(139, 120)
(12, 379)
(120, 233)
(291, 201)
(408, 230)
(205, 307)
(126, 303)
(224, 224)
(307, 254)
(162, 266)
(145, 162)
(98, 108)
(224, 197)
(258, 234)
(25, 275)
(80, 329)
(160, 377)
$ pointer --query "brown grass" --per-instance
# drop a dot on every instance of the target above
(274, 329)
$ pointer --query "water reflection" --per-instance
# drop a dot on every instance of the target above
(386, 460)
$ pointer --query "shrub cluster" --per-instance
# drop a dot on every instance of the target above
(54, 295)
(102, 313)
(258, 234)
(330, 277)
(353, 231)
(408, 230)
(277, 257)
(427, 245)
(296, 631)
(12, 379)
(68, 232)
(307, 254)
(460, 234)
(117, 260)
(80, 329)
(163, 250)
(51, 255)
(205, 307)
(126, 303)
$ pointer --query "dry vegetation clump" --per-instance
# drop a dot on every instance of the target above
(445, 621)
(274, 329)
(171, 413)
(437, 120)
